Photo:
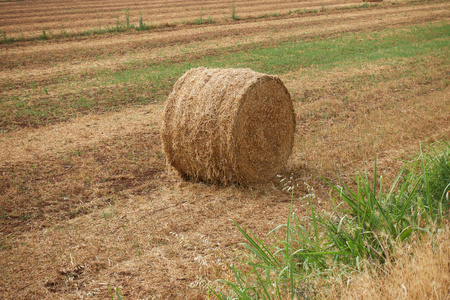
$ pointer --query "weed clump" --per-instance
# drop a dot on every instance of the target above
(4, 39)
(369, 226)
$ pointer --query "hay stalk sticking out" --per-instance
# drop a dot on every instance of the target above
(228, 125)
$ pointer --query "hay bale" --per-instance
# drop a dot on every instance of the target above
(228, 125)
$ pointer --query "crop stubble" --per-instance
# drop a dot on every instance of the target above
(88, 203)
(53, 17)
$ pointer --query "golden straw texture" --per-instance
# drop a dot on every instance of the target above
(228, 125)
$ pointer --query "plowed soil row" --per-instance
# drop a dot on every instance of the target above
(27, 62)
(33, 10)
(31, 19)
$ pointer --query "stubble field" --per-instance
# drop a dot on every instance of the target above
(86, 201)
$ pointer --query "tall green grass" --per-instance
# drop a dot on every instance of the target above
(365, 226)
(116, 291)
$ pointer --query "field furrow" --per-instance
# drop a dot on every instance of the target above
(84, 18)
(77, 20)
(175, 43)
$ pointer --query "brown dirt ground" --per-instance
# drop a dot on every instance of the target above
(89, 204)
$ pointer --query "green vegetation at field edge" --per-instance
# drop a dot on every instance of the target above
(367, 224)
(152, 83)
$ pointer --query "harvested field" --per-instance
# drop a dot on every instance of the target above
(86, 202)
(30, 19)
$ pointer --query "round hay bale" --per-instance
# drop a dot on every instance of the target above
(228, 125)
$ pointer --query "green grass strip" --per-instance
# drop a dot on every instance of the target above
(351, 48)
(142, 85)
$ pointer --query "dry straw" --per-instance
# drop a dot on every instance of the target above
(228, 125)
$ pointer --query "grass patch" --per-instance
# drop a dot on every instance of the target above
(201, 21)
(233, 12)
(4, 39)
(153, 82)
(142, 26)
(366, 226)
(265, 16)
(44, 36)
(322, 54)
